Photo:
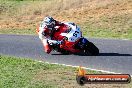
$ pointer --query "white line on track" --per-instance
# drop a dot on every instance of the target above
(82, 67)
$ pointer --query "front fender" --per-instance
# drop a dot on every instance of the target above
(82, 43)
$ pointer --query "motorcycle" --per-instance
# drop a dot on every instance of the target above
(81, 45)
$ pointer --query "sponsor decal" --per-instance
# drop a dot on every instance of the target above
(83, 78)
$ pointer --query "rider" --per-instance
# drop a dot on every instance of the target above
(46, 30)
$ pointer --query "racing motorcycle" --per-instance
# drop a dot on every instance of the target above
(72, 42)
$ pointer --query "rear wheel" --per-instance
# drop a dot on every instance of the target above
(91, 49)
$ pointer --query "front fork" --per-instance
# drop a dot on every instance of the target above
(81, 43)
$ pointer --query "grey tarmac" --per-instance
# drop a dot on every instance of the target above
(115, 54)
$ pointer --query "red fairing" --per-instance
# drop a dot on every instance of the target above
(69, 46)
(61, 29)
(66, 44)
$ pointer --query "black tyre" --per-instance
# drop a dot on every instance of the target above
(91, 49)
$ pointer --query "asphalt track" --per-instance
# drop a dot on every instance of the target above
(115, 55)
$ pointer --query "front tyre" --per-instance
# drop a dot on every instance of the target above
(91, 49)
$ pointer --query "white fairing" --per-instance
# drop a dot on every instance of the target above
(74, 34)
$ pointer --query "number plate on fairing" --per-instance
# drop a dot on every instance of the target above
(74, 34)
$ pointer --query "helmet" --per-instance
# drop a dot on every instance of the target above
(49, 22)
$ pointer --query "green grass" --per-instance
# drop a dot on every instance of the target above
(18, 73)
(117, 26)
(27, 73)
(98, 32)
(18, 31)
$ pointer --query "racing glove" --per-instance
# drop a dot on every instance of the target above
(54, 42)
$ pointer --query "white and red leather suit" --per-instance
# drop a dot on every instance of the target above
(62, 32)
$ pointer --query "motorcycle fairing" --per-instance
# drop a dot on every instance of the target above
(70, 38)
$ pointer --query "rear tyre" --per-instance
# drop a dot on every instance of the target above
(91, 49)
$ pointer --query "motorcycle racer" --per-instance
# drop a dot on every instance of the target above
(49, 28)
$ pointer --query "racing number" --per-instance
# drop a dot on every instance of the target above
(75, 34)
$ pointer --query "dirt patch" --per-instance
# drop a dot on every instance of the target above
(97, 18)
(80, 12)
(63, 79)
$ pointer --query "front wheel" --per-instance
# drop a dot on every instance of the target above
(91, 49)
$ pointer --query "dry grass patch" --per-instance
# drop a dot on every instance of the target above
(98, 15)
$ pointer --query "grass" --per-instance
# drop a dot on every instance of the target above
(103, 32)
(18, 73)
(18, 31)
(27, 73)
(104, 18)
(110, 26)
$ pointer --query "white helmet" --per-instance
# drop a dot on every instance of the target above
(49, 22)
